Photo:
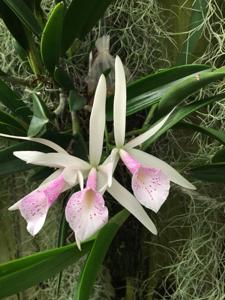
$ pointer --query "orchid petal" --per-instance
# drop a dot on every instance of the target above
(86, 213)
(106, 170)
(54, 160)
(70, 176)
(119, 108)
(34, 207)
(97, 123)
(127, 200)
(147, 134)
(148, 160)
(151, 187)
(80, 179)
(45, 142)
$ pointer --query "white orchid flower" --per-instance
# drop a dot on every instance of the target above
(150, 175)
(70, 171)
(85, 211)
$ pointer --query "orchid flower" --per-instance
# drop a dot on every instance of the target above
(150, 175)
(70, 171)
(85, 212)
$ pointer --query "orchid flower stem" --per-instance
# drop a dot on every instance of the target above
(107, 141)
(75, 123)
(136, 131)
(62, 104)
(130, 289)
(150, 115)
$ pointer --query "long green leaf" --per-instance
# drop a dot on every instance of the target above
(12, 121)
(11, 164)
(23, 12)
(10, 129)
(182, 113)
(51, 39)
(211, 172)
(97, 255)
(150, 89)
(13, 101)
(80, 17)
(219, 135)
(178, 92)
(25, 272)
(14, 25)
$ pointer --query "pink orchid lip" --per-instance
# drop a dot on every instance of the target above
(92, 179)
(150, 185)
(129, 161)
(34, 207)
(54, 189)
(85, 211)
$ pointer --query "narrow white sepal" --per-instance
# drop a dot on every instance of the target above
(148, 160)
(80, 179)
(45, 142)
(54, 160)
(119, 107)
(147, 134)
(97, 123)
(127, 200)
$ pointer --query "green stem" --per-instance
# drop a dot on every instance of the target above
(150, 115)
(75, 123)
(107, 141)
(130, 289)
(136, 131)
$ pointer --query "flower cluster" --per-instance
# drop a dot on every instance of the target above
(85, 211)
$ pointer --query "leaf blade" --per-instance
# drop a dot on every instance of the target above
(51, 39)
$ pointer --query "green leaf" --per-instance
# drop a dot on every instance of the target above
(219, 156)
(182, 113)
(23, 12)
(14, 25)
(12, 121)
(196, 28)
(211, 172)
(22, 273)
(219, 135)
(80, 17)
(13, 102)
(63, 79)
(97, 255)
(51, 39)
(179, 91)
(10, 129)
(76, 102)
(148, 90)
(11, 164)
(40, 117)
